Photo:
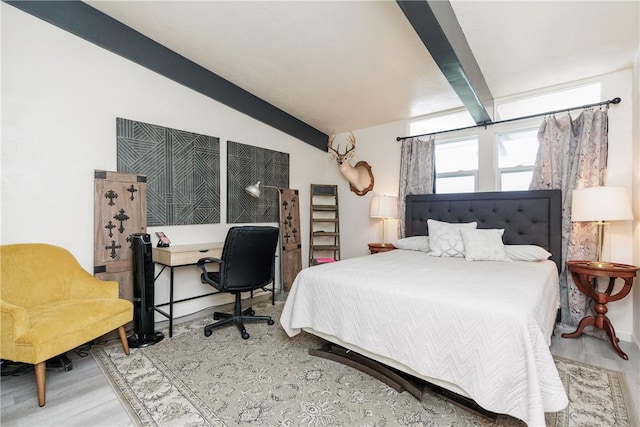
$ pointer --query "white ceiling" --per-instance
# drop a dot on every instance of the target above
(341, 65)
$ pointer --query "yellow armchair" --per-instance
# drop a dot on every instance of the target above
(50, 305)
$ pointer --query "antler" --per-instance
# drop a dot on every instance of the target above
(341, 157)
(330, 144)
(352, 141)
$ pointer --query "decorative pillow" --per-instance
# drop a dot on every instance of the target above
(445, 239)
(526, 253)
(415, 243)
(483, 245)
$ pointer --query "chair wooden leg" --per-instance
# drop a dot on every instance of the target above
(40, 370)
(123, 339)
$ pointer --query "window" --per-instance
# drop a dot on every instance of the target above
(457, 165)
(516, 157)
(498, 157)
(557, 100)
(441, 122)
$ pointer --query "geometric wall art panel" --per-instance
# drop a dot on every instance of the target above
(246, 165)
(182, 170)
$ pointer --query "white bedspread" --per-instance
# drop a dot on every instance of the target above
(484, 326)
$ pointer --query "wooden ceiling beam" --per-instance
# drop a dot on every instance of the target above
(437, 26)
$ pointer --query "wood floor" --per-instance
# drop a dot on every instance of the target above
(84, 397)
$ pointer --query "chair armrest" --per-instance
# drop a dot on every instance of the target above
(14, 322)
(203, 261)
(85, 286)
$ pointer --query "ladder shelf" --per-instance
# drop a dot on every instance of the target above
(324, 239)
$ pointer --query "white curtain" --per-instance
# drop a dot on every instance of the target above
(572, 154)
(417, 172)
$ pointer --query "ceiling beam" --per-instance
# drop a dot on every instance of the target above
(96, 27)
(439, 29)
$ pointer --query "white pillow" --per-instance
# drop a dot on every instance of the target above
(415, 243)
(526, 253)
(483, 245)
(445, 239)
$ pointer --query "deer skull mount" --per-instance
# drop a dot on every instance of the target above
(359, 176)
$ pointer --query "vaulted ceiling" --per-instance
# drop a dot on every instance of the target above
(341, 65)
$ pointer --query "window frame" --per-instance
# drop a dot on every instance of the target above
(499, 172)
(488, 175)
(462, 172)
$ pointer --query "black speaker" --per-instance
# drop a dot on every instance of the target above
(143, 293)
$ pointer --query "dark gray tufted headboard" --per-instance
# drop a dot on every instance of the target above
(528, 217)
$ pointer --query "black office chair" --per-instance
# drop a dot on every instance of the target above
(247, 263)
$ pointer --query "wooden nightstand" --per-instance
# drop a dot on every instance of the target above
(374, 248)
(585, 276)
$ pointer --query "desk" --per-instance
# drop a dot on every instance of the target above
(182, 256)
(585, 277)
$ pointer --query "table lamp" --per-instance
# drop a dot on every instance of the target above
(384, 207)
(600, 205)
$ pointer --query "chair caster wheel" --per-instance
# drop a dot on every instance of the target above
(245, 335)
(215, 316)
(270, 322)
(252, 313)
(207, 332)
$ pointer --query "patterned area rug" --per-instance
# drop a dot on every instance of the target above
(271, 380)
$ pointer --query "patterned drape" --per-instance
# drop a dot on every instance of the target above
(417, 172)
(572, 154)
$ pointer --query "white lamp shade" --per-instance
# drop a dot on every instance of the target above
(384, 207)
(600, 204)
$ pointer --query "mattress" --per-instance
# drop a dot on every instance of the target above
(482, 327)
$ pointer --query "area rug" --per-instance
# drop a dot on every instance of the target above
(271, 380)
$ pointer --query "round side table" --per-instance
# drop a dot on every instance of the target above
(585, 275)
(374, 248)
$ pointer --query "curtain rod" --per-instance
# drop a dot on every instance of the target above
(597, 104)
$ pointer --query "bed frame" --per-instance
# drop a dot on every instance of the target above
(528, 218)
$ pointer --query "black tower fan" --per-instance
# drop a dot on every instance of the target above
(143, 285)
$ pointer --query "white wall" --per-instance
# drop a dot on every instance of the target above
(635, 292)
(378, 147)
(618, 243)
(60, 99)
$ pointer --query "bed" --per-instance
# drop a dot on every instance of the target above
(479, 329)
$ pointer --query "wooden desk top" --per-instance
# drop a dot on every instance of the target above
(177, 255)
